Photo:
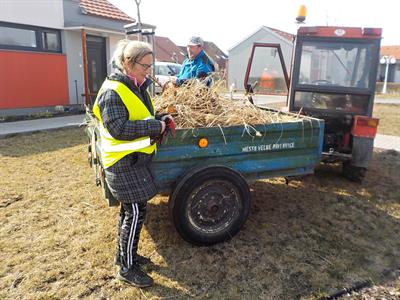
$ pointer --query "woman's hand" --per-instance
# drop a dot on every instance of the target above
(164, 117)
(163, 126)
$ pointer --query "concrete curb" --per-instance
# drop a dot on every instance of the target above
(388, 142)
(9, 129)
(13, 134)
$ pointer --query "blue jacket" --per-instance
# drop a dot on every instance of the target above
(200, 67)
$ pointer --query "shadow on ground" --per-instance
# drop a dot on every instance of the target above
(305, 239)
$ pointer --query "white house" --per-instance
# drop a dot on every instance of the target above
(47, 47)
(390, 59)
(240, 53)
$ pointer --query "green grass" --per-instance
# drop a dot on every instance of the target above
(395, 96)
(389, 118)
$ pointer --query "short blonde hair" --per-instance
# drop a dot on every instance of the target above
(130, 50)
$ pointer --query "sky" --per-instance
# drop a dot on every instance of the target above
(227, 22)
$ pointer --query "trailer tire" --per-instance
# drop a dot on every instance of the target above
(210, 205)
(353, 173)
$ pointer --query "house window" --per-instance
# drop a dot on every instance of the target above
(17, 37)
(51, 40)
(24, 37)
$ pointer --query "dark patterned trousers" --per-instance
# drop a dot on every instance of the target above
(131, 219)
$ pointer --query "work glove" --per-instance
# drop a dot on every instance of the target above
(169, 127)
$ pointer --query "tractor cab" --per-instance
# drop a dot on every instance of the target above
(334, 71)
(333, 77)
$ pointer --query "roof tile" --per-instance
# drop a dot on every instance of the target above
(166, 50)
(391, 50)
(216, 54)
(283, 34)
(103, 8)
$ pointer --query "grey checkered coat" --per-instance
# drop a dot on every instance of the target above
(131, 178)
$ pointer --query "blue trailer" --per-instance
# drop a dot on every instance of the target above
(206, 171)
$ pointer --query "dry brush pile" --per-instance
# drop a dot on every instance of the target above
(194, 105)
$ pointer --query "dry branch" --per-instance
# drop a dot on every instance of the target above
(194, 105)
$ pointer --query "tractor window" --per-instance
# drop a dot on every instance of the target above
(357, 104)
(346, 65)
(266, 75)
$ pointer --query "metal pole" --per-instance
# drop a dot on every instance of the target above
(85, 67)
(76, 91)
(139, 21)
(386, 75)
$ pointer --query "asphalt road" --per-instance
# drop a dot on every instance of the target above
(387, 101)
(12, 128)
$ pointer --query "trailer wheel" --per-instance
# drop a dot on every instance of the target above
(353, 173)
(210, 205)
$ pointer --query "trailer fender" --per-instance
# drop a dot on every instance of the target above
(362, 151)
(355, 169)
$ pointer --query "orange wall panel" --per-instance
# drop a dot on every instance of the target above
(29, 79)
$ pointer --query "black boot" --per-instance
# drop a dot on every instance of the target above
(141, 260)
(135, 276)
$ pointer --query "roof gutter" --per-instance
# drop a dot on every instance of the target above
(92, 29)
(286, 41)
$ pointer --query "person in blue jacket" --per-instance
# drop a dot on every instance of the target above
(197, 65)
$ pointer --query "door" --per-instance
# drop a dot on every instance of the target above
(266, 77)
(97, 63)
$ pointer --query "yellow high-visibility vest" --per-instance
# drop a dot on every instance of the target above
(112, 150)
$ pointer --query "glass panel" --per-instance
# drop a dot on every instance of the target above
(163, 70)
(174, 69)
(266, 73)
(334, 64)
(357, 104)
(95, 39)
(50, 41)
(17, 37)
(94, 72)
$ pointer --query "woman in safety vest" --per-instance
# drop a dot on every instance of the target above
(128, 127)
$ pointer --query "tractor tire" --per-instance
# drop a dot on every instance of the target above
(210, 205)
(353, 173)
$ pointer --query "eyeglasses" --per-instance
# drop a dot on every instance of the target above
(145, 66)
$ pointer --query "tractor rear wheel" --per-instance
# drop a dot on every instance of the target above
(353, 173)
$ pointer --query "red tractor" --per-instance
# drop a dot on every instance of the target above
(333, 77)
